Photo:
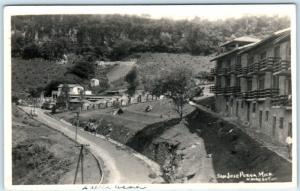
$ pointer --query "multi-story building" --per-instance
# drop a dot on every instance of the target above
(253, 84)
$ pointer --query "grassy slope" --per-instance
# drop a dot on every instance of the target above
(45, 156)
(152, 63)
(36, 73)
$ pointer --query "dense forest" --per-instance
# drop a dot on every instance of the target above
(113, 37)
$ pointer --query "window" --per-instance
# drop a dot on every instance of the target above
(277, 51)
(250, 60)
(290, 133)
(238, 60)
(249, 84)
(253, 107)
(261, 83)
(237, 109)
(275, 83)
(267, 115)
(227, 82)
(274, 126)
(288, 86)
(242, 104)
(263, 55)
(281, 123)
(288, 51)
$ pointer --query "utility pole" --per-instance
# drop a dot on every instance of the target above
(77, 124)
(80, 162)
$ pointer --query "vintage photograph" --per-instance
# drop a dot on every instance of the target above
(150, 94)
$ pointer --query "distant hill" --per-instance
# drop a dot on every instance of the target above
(38, 73)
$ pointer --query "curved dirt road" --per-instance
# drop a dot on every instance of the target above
(121, 165)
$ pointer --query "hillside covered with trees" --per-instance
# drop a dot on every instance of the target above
(41, 44)
(113, 37)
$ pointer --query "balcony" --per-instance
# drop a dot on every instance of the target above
(232, 90)
(232, 70)
(253, 68)
(242, 71)
(282, 100)
(260, 94)
(222, 71)
(271, 92)
(282, 67)
(267, 63)
(227, 90)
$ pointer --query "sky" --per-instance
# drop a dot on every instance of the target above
(210, 12)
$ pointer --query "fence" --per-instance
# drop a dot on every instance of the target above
(100, 104)
(118, 102)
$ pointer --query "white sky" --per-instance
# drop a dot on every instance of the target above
(210, 12)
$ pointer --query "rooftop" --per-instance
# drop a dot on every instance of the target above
(233, 51)
(69, 85)
(276, 37)
(248, 39)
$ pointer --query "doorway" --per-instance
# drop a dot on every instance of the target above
(260, 119)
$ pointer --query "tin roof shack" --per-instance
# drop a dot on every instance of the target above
(253, 85)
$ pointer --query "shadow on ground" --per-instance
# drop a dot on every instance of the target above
(235, 153)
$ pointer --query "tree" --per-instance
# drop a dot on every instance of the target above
(132, 79)
(63, 98)
(84, 69)
(51, 86)
(176, 85)
(31, 50)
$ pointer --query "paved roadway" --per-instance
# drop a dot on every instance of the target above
(120, 165)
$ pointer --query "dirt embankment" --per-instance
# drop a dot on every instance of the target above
(180, 153)
(200, 148)
(41, 155)
(234, 153)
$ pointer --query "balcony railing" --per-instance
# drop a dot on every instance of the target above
(225, 90)
(233, 90)
(257, 94)
(253, 68)
(222, 71)
(268, 63)
(242, 71)
(282, 100)
(282, 66)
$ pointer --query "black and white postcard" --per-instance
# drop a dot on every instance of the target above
(150, 96)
